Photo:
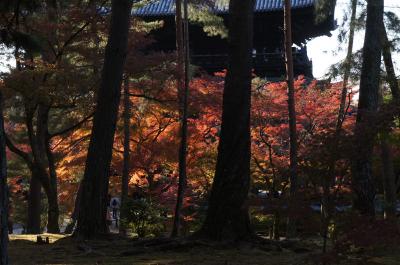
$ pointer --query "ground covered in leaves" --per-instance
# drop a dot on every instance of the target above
(64, 250)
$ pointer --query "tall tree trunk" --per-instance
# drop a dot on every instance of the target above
(347, 66)
(92, 211)
(389, 178)
(46, 159)
(33, 218)
(34, 199)
(53, 213)
(183, 99)
(46, 163)
(126, 168)
(46, 171)
(365, 133)
(391, 74)
(327, 209)
(227, 215)
(34, 206)
(3, 192)
(180, 87)
(291, 229)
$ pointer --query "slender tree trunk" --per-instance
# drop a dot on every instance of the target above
(391, 74)
(291, 228)
(41, 175)
(33, 218)
(74, 217)
(34, 199)
(183, 98)
(227, 215)
(3, 192)
(46, 168)
(347, 66)
(42, 165)
(327, 209)
(126, 168)
(53, 183)
(365, 132)
(276, 235)
(34, 206)
(53, 213)
(276, 225)
(389, 178)
(92, 211)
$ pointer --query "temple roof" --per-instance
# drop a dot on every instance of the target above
(167, 7)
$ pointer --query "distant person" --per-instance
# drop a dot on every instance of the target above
(115, 208)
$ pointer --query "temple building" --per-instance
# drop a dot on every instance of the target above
(210, 52)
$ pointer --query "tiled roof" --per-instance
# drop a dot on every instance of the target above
(167, 7)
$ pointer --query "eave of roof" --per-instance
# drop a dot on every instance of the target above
(167, 7)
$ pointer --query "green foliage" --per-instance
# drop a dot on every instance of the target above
(212, 24)
(144, 217)
(392, 24)
(262, 221)
(324, 9)
(336, 71)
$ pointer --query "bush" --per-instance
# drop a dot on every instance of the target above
(144, 217)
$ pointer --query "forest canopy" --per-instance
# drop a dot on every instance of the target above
(190, 130)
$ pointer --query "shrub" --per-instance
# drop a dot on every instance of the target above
(144, 217)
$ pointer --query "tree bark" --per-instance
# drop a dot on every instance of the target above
(227, 215)
(291, 225)
(126, 167)
(34, 198)
(327, 209)
(45, 161)
(389, 178)
(391, 74)
(183, 99)
(33, 218)
(34, 206)
(365, 132)
(3, 192)
(92, 212)
(41, 163)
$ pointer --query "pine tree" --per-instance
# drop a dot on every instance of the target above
(227, 215)
(93, 207)
(365, 131)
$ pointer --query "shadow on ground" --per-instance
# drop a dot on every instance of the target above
(114, 250)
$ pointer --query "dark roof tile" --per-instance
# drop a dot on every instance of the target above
(167, 7)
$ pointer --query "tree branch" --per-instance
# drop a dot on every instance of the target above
(150, 98)
(73, 127)
(13, 148)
